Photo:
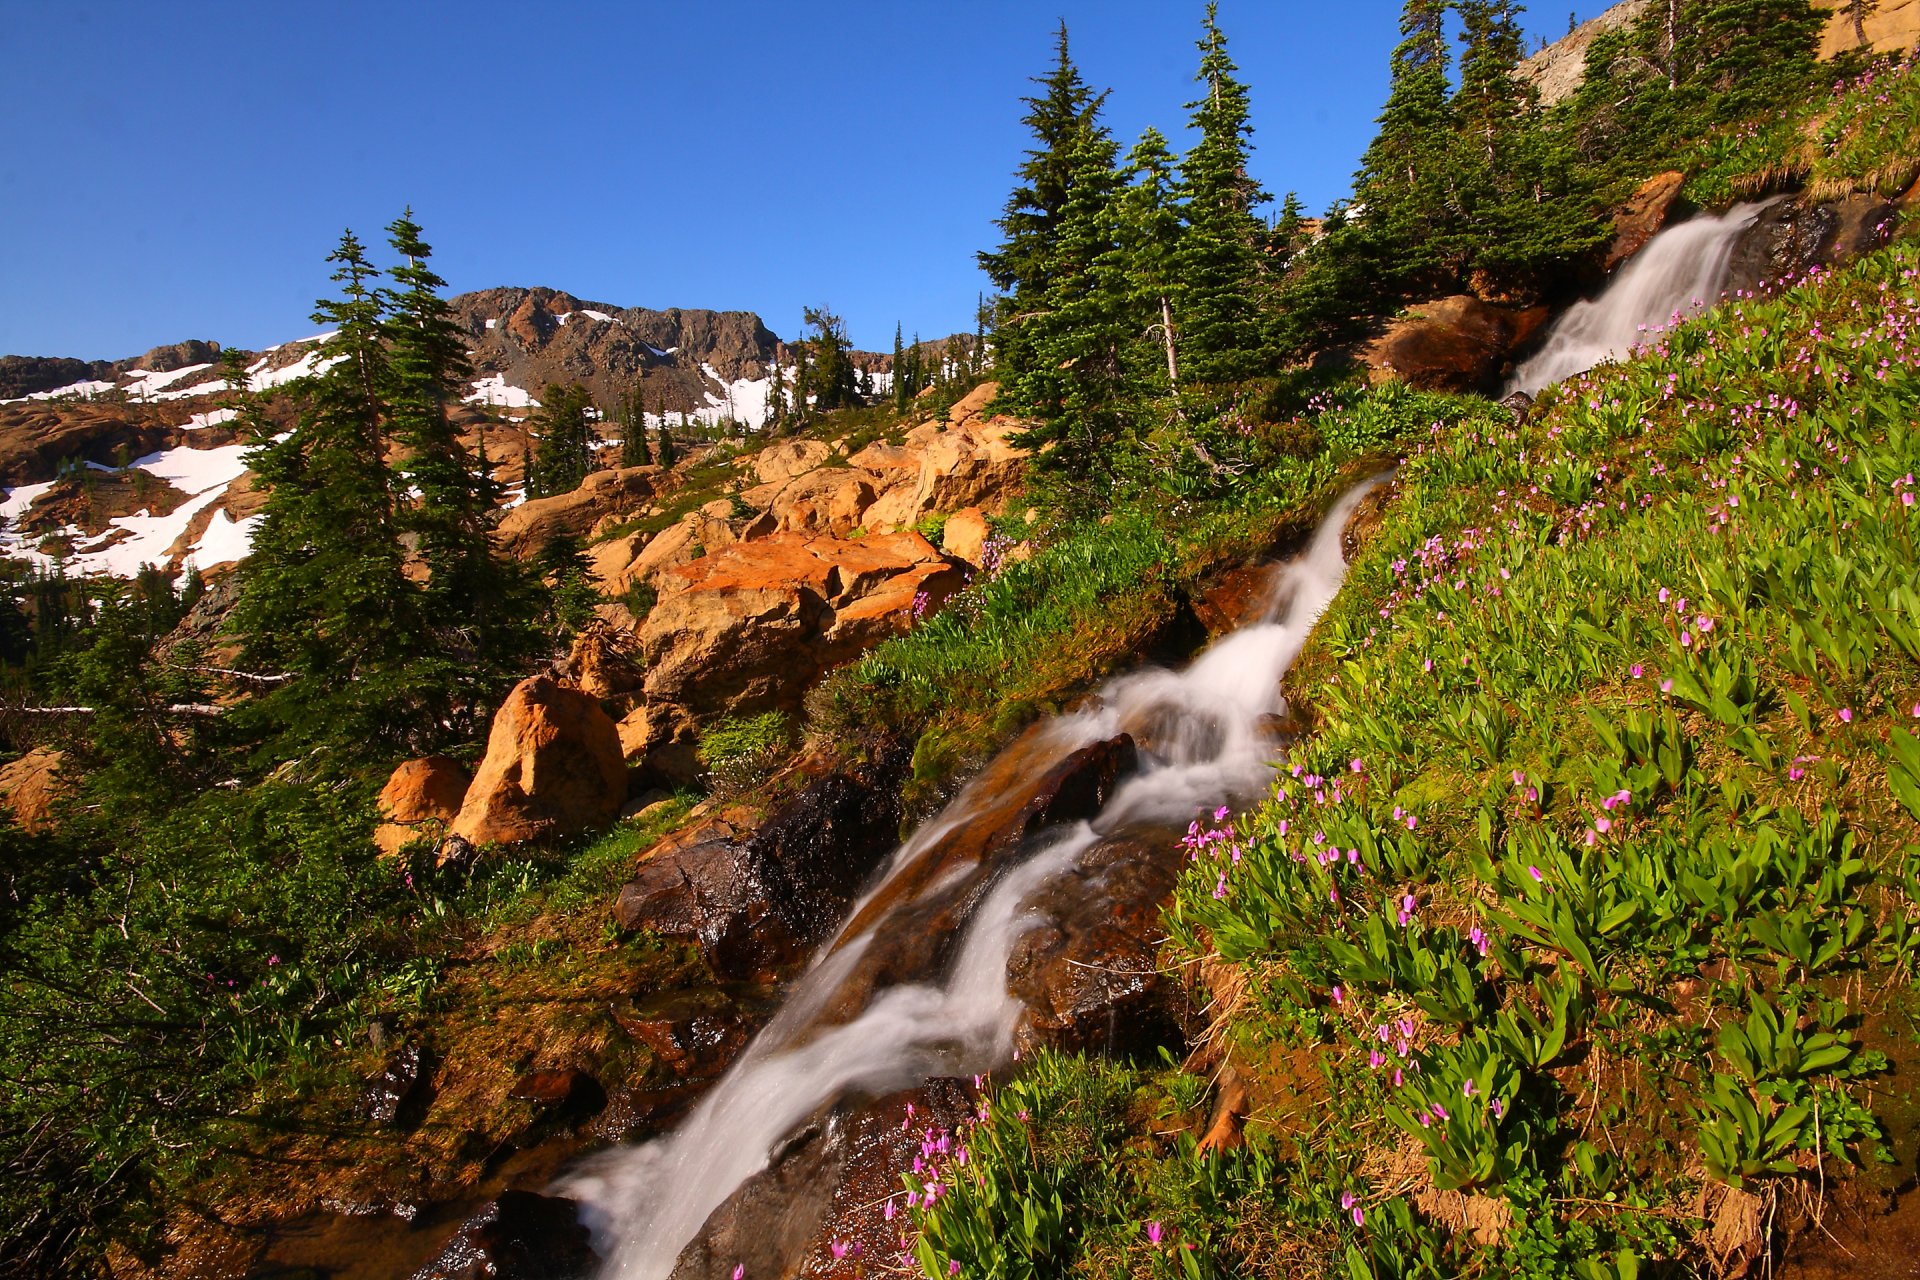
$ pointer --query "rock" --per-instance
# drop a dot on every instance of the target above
(30, 375)
(761, 905)
(965, 534)
(1644, 215)
(527, 529)
(1558, 70)
(1519, 404)
(179, 355)
(972, 465)
(602, 662)
(398, 1096)
(749, 627)
(831, 500)
(519, 1236)
(420, 798)
(1088, 971)
(693, 1034)
(1453, 344)
(829, 1183)
(1889, 26)
(567, 1092)
(1794, 234)
(788, 458)
(1236, 598)
(974, 403)
(916, 918)
(553, 768)
(32, 788)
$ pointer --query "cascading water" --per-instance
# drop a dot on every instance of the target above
(1208, 745)
(1680, 271)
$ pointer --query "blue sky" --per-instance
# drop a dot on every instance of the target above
(173, 171)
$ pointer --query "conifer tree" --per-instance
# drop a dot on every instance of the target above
(833, 380)
(1401, 190)
(634, 451)
(669, 453)
(1218, 259)
(899, 369)
(1151, 234)
(323, 595)
(1027, 262)
(564, 455)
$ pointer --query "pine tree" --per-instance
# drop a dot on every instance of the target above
(1217, 260)
(1027, 263)
(323, 595)
(1151, 234)
(833, 380)
(1401, 191)
(633, 431)
(668, 452)
(564, 455)
(476, 603)
(899, 368)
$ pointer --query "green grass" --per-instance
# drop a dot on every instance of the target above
(1629, 883)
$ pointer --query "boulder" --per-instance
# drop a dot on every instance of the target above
(965, 534)
(32, 788)
(528, 528)
(972, 465)
(520, 1236)
(759, 906)
(602, 663)
(694, 1034)
(420, 798)
(974, 403)
(830, 1204)
(748, 627)
(1452, 344)
(1644, 215)
(564, 1092)
(1793, 234)
(831, 500)
(788, 458)
(1235, 598)
(553, 767)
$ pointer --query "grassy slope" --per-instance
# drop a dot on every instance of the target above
(1630, 848)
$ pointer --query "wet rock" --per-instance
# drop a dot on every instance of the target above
(758, 906)
(827, 1184)
(1519, 404)
(1088, 973)
(553, 767)
(1451, 344)
(694, 1034)
(420, 798)
(520, 1236)
(398, 1096)
(1794, 234)
(1644, 215)
(566, 1093)
(1236, 598)
(635, 1112)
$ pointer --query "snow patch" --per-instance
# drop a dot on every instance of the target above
(601, 316)
(225, 540)
(212, 418)
(493, 390)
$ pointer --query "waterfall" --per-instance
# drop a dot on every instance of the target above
(1681, 271)
(1209, 747)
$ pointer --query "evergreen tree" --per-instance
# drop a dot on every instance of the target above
(1217, 260)
(1027, 263)
(832, 379)
(476, 603)
(323, 595)
(899, 368)
(668, 452)
(1151, 234)
(1401, 192)
(564, 454)
(633, 431)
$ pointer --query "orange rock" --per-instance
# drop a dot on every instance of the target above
(974, 403)
(965, 534)
(526, 530)
(33, 787)
(830, 500)
(419, 799)
(553, 768)
(778, 463)
(1644, 215)
(1450, 344)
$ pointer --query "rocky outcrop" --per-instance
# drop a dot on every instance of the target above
(749, 627)
(780, 1222)
(1558, 70)
(421, 797)
(758, 906)
(1644, 215)
(529, 527)
(520, 1236)
(1884, 26)
(1451, 344)
(553, 768)
(32, 788)
(1793, 234)
(30, 375)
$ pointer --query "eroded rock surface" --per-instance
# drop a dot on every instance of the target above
(553, 767)
(421, 797)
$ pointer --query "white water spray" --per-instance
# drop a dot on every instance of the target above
(1681, 271)
(646, 1203)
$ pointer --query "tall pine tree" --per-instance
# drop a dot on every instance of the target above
(1218, 261)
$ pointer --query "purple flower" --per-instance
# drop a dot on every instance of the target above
(1535, 873)
(1846, 715)
(1154, 1233)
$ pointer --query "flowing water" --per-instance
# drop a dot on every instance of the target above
(1206, 742)
(1681, 271)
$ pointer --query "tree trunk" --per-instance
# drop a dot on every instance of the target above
(1166, 333)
